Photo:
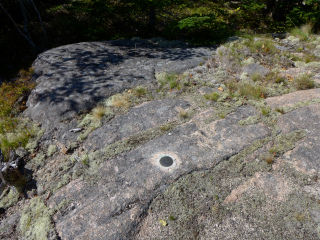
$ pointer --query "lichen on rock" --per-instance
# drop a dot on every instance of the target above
(35, 222)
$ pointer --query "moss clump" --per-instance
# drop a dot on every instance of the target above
(64, 180)
(250, 120)
(52, 149)
(222, 109)
(284, 143)
(8, 198)
(265, 111)
(93, 121)
(35, 222)
(38, 160)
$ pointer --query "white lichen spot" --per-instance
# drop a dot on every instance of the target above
(293, 39)
(248, 61)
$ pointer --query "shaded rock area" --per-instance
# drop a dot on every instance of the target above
(242, 131)
(74, 78)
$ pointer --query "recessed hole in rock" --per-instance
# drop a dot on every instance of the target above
(166, 161)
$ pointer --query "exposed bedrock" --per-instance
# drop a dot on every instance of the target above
(127, 184)
(73, 78)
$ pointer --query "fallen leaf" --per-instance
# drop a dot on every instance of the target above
(163, 222)
(289, 78)
(220, 89)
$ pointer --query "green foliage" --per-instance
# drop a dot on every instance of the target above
(302, 14)
(14, 131)
(203, 29)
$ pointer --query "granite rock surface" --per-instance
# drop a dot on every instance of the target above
(244, 165)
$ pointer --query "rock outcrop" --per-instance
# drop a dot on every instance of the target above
(74, 78)
(224, 149)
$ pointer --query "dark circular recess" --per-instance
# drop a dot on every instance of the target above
(166, 161)
(2, 210)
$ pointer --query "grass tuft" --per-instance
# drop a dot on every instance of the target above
(269, 159)
(253, 91)
(183, 114)
(214, 96)
(120, 100)
(99, 112)
(280, 110)
(303, 82)
(299, 216)
(261, 45)
(265, 111)
(303, 32)
(139, 92)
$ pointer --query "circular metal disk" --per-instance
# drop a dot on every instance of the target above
(166, 161)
